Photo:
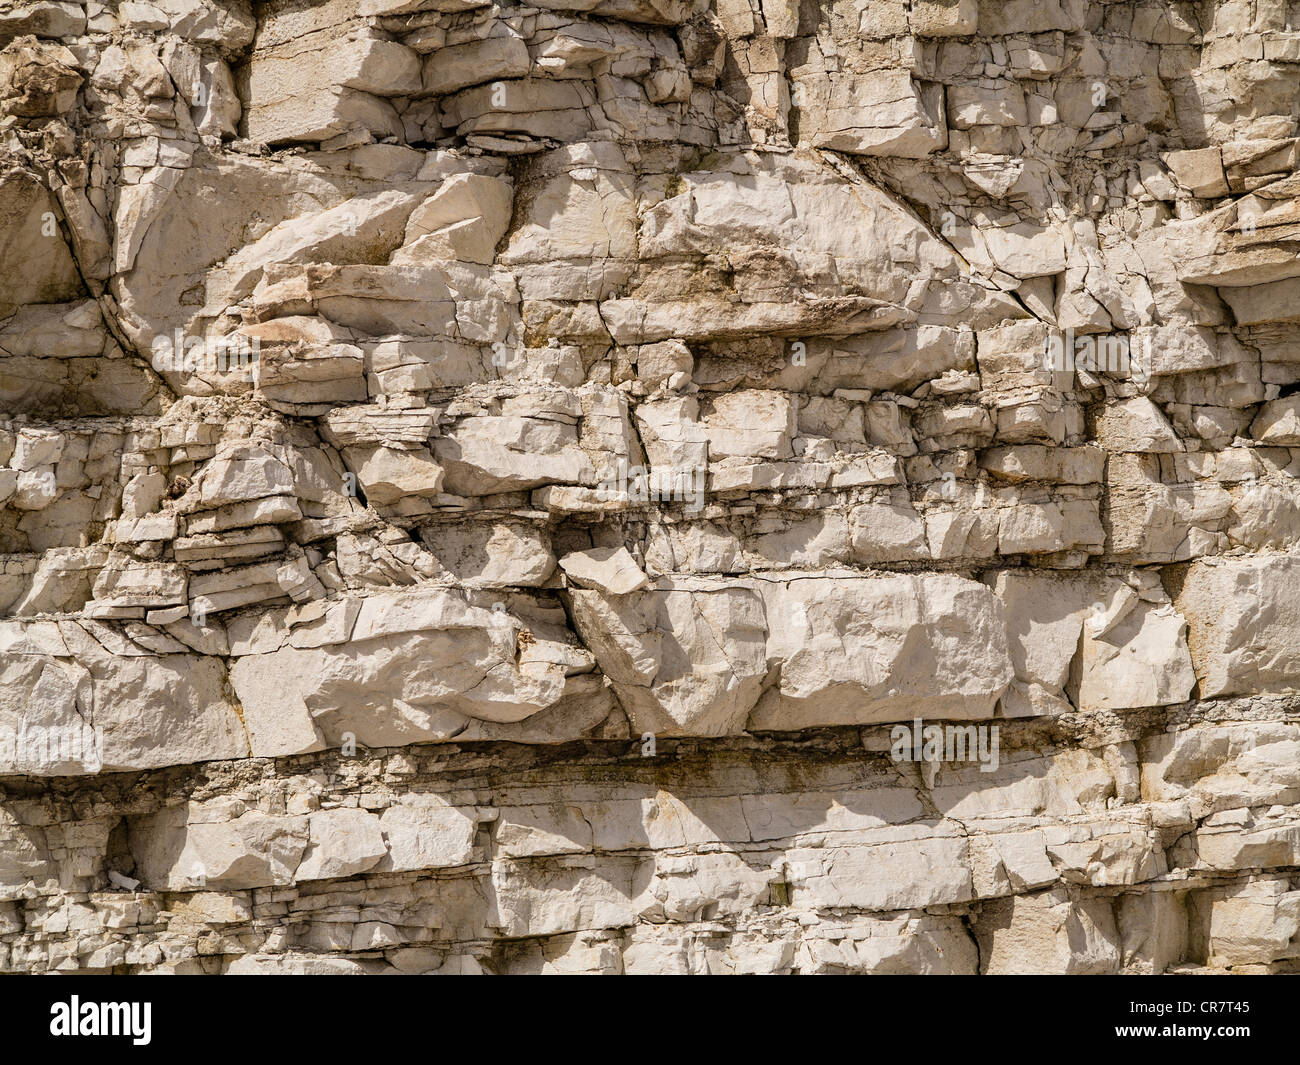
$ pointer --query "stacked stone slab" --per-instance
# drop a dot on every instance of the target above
(488, 479)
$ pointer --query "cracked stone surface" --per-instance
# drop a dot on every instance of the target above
(483, 485)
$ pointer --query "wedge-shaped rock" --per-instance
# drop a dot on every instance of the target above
(1093, 637)
(462, 222)
(34, 267)
(880, 113)
(342, 843)
(684, 661)
(388, 475)
(1278, 423)
(1244, 618)
(854, 650)
(1136, 425)
(420, 666)
(189, 848)
(358, 229)
(605, 569)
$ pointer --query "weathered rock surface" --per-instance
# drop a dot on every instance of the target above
(515, 471)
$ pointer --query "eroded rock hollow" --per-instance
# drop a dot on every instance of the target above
(494, 487)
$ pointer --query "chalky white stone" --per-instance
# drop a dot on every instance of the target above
(481, 483)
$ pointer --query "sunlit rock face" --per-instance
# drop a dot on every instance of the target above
(649, 486)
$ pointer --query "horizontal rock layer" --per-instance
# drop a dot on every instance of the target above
(1162, 840)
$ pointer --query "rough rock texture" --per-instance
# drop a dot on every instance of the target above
(480, 482)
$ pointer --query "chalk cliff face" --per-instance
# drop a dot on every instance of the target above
(481, 485)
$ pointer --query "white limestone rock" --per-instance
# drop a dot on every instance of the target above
(683, 662)
(610, 570)
(859, 650)
(1243, 623)
(640, 412)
